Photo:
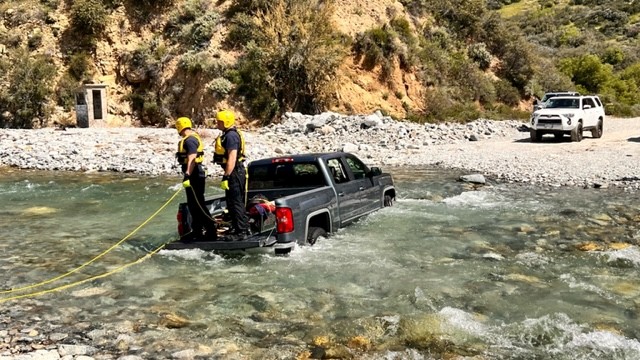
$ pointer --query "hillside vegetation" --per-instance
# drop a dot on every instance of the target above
(423, 60)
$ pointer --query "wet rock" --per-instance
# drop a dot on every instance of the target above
(493, 256)
(589, 246)
(75, 350)
(173, 321)
(474, 179)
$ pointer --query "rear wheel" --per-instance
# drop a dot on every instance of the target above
(597, 132)
(282, 251)
(576, 133)
(314, 234)
(388, 200)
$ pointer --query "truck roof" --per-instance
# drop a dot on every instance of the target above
(310, 157)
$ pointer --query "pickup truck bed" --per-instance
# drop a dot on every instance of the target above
(313, 195)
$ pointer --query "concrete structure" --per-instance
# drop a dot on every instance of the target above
(91, 104)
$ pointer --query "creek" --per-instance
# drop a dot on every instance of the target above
(496, 272)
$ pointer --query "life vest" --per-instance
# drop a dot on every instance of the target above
(220, 155)
(181, 155)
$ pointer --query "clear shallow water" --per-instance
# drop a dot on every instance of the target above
(492, 273)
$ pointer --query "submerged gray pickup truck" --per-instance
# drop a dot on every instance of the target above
(294, 200)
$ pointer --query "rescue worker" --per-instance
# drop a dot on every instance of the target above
(230, 155)
(190, 156)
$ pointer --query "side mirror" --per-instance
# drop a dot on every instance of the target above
(374, 171)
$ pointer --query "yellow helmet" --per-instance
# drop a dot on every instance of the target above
(183, 123)
(227, 118)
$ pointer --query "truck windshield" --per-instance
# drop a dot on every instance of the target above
(285, 175)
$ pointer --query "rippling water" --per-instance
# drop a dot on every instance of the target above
(499, 272)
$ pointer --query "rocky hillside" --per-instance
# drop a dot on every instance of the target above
(167, 58)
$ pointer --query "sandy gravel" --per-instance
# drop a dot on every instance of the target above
(613, 159)
(506, 154)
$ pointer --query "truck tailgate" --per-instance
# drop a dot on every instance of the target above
(254, 241)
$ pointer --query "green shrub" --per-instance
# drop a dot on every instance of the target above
(35, 40)
(292, 62)
(241, 30)
(79, 65)
(193, 24)
(587, 71)
(377, 46)
(202, 63)
(471, 83)
(518, 64)
(29, 87)
(66, 90)
(149, 107)
(219, 87)
(148, 98)
(480, 55)
(88, 17)
(507, 93)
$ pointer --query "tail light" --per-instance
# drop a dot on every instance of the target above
(180, 226)
(284, 220)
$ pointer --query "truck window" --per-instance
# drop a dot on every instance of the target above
(284, 175)
(358, 169)
(337, 171)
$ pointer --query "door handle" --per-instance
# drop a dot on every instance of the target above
(340, 194)
(361, 188)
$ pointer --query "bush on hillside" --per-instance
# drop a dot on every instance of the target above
(147, 98)
(507, 93)
(480, 55)
(202, 63)
(587, 71)
(66, 90)
(29, 81)
(517, 64)
(79, 64)
(241, 30)
(378, 47)
(471, 83)
(89, 17)
(192, 25)
(292, 62)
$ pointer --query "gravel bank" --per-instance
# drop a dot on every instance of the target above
(497, 149)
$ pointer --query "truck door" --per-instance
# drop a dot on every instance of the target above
(347, 191)
(370, 196)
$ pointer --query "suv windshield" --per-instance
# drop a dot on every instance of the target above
(548, 96)
(563, 103)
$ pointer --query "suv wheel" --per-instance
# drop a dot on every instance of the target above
(536, 136)
(597, 131)
(576, 133)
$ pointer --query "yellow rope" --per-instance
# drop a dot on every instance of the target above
(103, 275)
(97, 257)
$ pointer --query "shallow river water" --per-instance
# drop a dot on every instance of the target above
(498, 272)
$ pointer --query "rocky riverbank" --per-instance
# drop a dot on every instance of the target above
(497, 149)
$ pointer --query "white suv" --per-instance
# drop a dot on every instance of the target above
(568, 115)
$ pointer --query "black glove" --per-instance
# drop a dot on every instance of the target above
(185, 177)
